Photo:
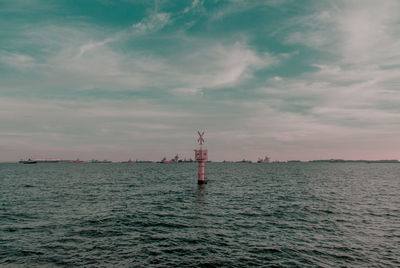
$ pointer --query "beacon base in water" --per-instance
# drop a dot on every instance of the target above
(201, 157)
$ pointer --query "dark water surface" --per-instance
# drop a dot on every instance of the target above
(140, 215)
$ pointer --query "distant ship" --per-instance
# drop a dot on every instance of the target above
(244, 161)
(167, 162)
(100, 161)
(47, 160)
(29, 161)
(39, 160)
(77, 161)
(130, 161)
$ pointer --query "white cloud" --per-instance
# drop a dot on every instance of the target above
(187, 91)
(238, 6)
(370, 31)
(287, 135)
(92, 45)
(215, 66)
(195, 4)
(91, 60)
(17, 60)
(353, 86)
(66, 122)
(350, 98)
(359, 32)
(116, 130)
(154, 22)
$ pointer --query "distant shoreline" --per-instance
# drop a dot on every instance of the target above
(224, 161)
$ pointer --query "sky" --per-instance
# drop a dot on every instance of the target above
(136, 79)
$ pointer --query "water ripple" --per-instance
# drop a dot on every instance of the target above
(139, 215)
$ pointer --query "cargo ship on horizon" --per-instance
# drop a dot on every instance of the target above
(29, 161)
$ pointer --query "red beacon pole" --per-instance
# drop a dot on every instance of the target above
(201, 157)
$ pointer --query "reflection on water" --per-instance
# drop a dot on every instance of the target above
(201, 192)
(200, 198)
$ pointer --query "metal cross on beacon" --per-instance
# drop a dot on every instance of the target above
(200, 139)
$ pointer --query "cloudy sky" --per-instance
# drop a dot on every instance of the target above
(137, 78)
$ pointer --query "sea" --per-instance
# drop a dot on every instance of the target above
(156, 215)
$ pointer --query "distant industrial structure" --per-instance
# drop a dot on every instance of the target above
(265, 160)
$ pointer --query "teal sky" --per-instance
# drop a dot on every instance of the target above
(137, 78)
